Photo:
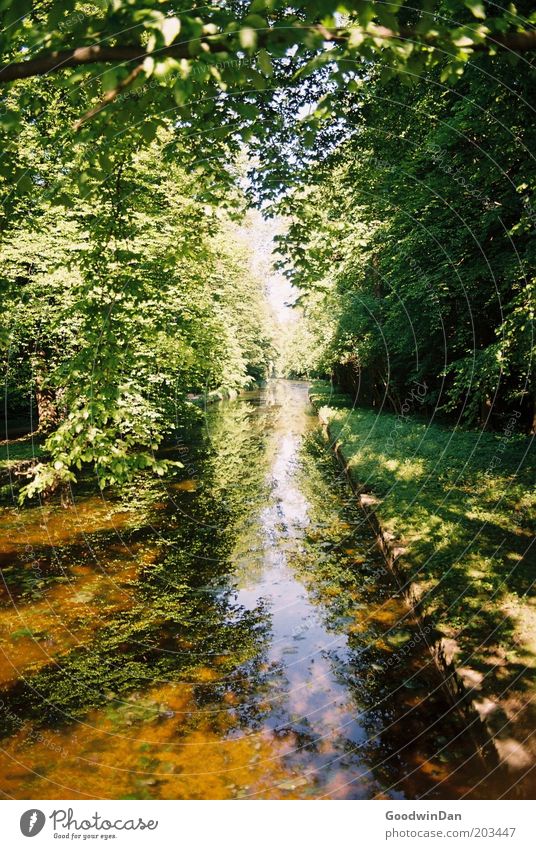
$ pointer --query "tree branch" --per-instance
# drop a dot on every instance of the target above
(109, 97)
(519, 42)
(91, 55)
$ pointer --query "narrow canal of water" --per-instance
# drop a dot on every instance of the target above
(230, 632)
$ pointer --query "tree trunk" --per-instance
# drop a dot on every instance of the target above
(485, 412)
(45, 396)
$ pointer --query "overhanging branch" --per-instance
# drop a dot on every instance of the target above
(518, 42)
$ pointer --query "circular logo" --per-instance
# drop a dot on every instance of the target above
(31, 822)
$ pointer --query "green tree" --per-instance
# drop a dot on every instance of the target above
(416, 237)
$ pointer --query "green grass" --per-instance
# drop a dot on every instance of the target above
(461, 503)
(14, 450)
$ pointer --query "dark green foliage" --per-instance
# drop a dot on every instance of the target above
(416, 246)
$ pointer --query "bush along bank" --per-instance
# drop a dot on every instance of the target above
(454, 513)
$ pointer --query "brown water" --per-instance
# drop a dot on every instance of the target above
(231, 632)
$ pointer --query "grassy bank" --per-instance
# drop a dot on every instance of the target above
(460, 506)
(14, 455)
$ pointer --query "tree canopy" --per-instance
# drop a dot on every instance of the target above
(414, 247)
(212, 69)
(393, 136)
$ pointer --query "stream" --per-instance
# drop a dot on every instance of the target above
(228, 631)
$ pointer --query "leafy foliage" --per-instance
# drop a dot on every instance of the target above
(124, 310)
(414, 247)
(124, 288)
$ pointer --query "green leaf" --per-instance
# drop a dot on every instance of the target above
(110, 79)
(476, 7)
(248, 38)
(171, 27)
(265, 63)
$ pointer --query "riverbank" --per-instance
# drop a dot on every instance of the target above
(456, 511)
(24, 448)
(17, 455)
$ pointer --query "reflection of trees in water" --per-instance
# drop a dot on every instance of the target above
(182, 616)
(183, 622)
(387, 670)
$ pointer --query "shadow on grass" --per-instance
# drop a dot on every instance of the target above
(460, 505)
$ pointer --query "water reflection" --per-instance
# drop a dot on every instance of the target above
(239, 636)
